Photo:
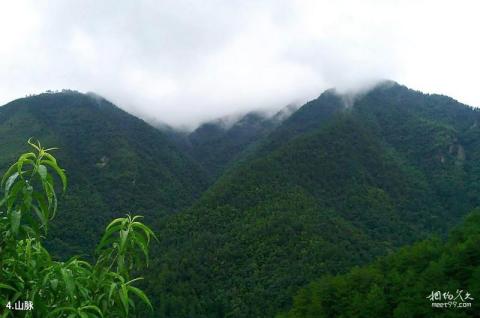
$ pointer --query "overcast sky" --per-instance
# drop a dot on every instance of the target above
(183, 62)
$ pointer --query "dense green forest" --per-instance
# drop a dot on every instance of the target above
(116, 162)
(405, 283)
(332, 187)
(247, 216)
(218, 144)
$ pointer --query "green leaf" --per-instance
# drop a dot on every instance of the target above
(124, 297)
(27, 197)
(52, 198)
(92, 308)
(141, 295)
(82, 314)
(110, 293)
(118, 220)
(9, 172)
(5, 286)
(145, 228)
(54, 283)
(49, 156)
(10, 182)
(15, 217)
(61, 310)
(106, 238)
(58, 170)
(25, 159)
(12, 196)
(40, 215)
(29, 141)
(68, 281)
(42, 204)
(123, 239)
(140, 241)
(42, 171)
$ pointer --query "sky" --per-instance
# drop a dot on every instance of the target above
(186, 62)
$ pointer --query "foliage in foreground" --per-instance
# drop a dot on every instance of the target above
(103, 180)
(401, 284)
(75, 288)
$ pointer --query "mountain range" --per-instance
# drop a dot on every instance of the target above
(249, 213)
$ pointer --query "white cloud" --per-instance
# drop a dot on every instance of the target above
(183, 62)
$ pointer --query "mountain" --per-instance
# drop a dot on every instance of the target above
(115, 162)
(249, 214)
(407, 283)
(335, 185)
(216, 144)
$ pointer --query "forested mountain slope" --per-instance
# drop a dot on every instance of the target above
(332, 187)
(218, 144)
(115, 162)
(335, 185)
(429, 279)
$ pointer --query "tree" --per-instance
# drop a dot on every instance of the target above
(74, 288)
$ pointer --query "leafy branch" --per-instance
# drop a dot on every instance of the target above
(74, 288)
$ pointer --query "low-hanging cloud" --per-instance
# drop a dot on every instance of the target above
(184, 62)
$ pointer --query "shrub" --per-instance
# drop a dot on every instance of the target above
(74, 288)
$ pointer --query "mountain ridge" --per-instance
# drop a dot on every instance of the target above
(241, 231)
(217, 144)
(368, 178)
(116, 162)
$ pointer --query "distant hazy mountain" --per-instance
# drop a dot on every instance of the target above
(333, 186)
(116, 163)
(218, 143)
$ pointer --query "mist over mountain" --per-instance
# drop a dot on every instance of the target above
(185, 63)
(219, 143)
(335, 185)
(250, 210)
(240, 159)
